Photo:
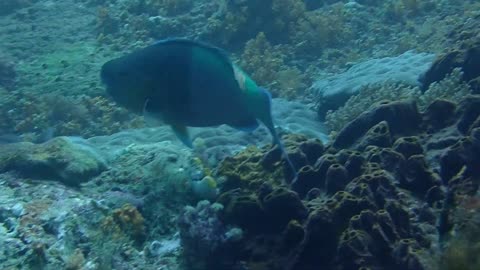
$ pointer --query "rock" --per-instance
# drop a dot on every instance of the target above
(63, 159)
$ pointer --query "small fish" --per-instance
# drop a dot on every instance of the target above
(185, 83)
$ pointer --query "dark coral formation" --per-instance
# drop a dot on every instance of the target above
(384, 207)
(466, 58)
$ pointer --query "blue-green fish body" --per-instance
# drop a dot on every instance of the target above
(186, 83)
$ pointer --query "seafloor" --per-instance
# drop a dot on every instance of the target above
(377, 101)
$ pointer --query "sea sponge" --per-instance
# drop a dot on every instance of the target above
(402, 118)
(282, 205)
(367, 98)
(336, 178)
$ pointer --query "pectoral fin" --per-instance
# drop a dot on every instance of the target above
(182, 133)
(152, 119)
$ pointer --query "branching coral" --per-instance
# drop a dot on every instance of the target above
(452, 87)
(318, 30)
(275, 18)
(261, 60)
(290, 83)
(266, 65)
(286, 13)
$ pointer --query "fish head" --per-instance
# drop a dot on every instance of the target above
(126, 84)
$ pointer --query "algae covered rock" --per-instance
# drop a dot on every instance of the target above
(63, 159)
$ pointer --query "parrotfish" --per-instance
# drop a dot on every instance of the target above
(185, 83)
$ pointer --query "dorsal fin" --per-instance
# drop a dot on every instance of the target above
(218, 51)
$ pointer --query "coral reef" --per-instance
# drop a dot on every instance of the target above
(206, 240)
(37, 115)
(266, 64)
(451, 87)
(335, 120)
(374, 209)
(466, 59)
(395, 188)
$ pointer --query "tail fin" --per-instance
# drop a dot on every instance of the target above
(265, 115)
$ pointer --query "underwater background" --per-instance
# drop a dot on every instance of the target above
(377, 103)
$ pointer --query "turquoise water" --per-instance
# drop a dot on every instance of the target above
(375, 104)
